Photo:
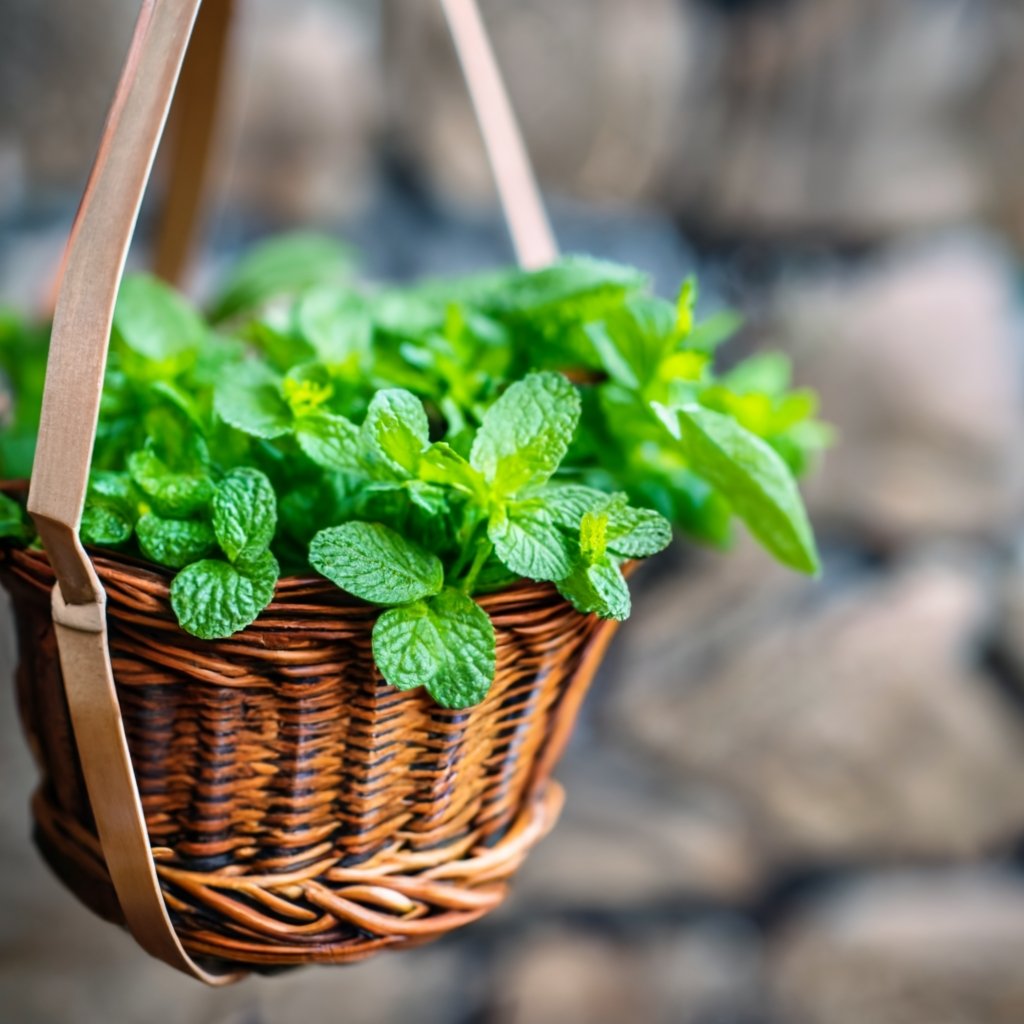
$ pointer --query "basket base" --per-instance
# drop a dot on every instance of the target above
(61, 841)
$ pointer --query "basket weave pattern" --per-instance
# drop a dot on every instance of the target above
(299, 808)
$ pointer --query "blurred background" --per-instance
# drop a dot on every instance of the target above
(789, 802)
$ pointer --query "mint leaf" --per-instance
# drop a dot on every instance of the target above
(573, 282)
(102, 525)
(373, 562)
(112, 488)
(111, 508)
(244, 513)
(330, 440)
(633, 341)
(769, 373)
(527, 539)
(396, 429)
(599, 588)
(282, 266)
(249, 399)
(307, 388)
(751, 476)
(712, 332)
(445, 643)
(173, 542)
(594, 536)
(337, 324)
(262, 571)
(636, 532)
(213, 600)
(13, 524)
(441, 464)
(154, 321)
(431, 499)
(526, 433)
(494, 576)
(569, 503)
(172, 493)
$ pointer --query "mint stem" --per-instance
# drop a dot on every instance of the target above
(483, 552)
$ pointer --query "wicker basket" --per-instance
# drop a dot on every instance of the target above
(266, 800)
(299, 809)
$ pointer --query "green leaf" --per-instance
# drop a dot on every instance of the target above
(594, 536)
(249, 399)
(445, 643)
(337, 324)
(111, 509)
(526, 433)
(244, 513)
(172, 493)
(767, 373)
(494, 576)
(283, 266)
(13, 523)
(396, 429)
(154, 321)
(599, 588)
(686, 304)
(23, 348)
(431, 499)
(263, 571)
(213, 599)
(174, 542)
(175, 440)
(572, 281)
(636, 532)
(751, 476)
(695, 506)
(709, 334)
(330, 440)
(307, 388)
(406, 313)
(104, 526)
(441, 464)
(569, 503)
(632, 342)
(373, 562)
(528, 541)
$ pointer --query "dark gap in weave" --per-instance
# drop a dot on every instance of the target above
(362, 809)
(221, 717)
(373, 746)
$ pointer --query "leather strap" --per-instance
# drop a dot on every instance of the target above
(528, 224)
(190, 132)
(93, 266)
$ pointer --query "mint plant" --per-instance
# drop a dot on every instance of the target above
(421, 446)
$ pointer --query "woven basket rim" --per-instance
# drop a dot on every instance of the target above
(311, 584)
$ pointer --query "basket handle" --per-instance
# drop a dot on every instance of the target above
(94, 264)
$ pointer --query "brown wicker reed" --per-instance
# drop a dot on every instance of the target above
(301, 810)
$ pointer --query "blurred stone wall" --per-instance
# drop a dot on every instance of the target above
(847, 120)
(843, 118)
